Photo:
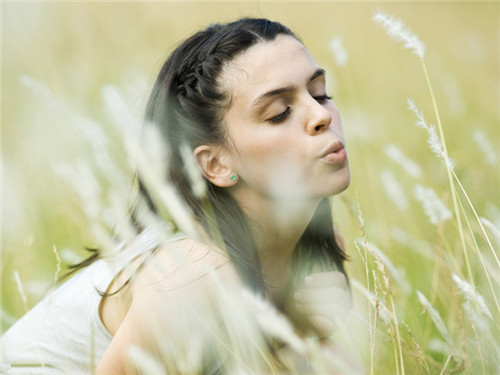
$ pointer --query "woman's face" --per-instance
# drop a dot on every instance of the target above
(285, 134)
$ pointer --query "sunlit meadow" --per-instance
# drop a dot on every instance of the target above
(421, 220)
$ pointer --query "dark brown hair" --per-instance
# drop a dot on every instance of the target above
(188, 106)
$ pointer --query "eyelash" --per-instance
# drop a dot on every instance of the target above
(282, 116)
(322, 98)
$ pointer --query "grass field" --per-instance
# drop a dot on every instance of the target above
(424, 279)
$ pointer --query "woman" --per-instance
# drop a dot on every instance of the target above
(250, 104)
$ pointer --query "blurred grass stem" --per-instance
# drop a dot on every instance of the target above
(364, 257)
(487, 238)
(396, 323)
(445, 364)
(488, 276)
(448, 168)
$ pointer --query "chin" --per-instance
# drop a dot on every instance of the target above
(340, 188)
(341, 181)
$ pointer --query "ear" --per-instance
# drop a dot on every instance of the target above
(214, 165)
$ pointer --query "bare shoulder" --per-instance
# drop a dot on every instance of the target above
(184, 275)
(176, 295)
(183, 263)
(171, 267)
(173, 299)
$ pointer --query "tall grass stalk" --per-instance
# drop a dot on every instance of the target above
(378, 256)
(479, 221)
(364, 258)
(446, 364)
(20, 289)
(440, 150)
(420, 352)
(145, 362)
(492, 228)
(396, 324)
(371, 299)
(395, 28)
(483, 264)
(436, 318)
(472, 302)
(58, 264)
(448, 169)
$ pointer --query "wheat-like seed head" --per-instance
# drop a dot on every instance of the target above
(340, 54)
(395, 153)
(434, 208)
(436, 318)
(473, 301)
(396, 30)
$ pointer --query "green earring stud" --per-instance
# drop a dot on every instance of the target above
(233, 177)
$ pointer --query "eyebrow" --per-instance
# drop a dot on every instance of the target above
(318, 73)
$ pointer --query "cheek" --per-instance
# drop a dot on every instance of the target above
(286, 176)
(274, 166)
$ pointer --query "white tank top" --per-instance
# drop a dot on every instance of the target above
(64, 334)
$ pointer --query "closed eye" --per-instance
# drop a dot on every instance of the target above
(281, 117)
(322, 98)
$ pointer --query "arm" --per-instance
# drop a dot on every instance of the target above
(115, 360)
(320, 301)
(164, 314)
(161, 323)
(317, 303)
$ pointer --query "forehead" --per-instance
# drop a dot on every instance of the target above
(266, 66)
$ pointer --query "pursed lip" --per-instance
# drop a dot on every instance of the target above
(333, 148)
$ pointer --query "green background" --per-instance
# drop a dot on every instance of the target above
(75, 49)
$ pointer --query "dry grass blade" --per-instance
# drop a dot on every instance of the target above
(436, 318)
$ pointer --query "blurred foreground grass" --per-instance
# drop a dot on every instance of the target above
(75, 49)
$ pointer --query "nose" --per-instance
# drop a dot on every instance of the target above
(319, 118)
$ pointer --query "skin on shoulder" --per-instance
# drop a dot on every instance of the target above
(179, 264)
(174, 284)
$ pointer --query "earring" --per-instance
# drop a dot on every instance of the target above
(233, 177)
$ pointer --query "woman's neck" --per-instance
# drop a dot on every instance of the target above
(277, 227)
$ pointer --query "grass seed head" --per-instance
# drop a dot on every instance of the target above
(20, 288)
(396, 30)
(485, 146)
(340, 54)
(409, 166)
(434, 208)
(393, 189)
(436, 318)
(474, 303)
